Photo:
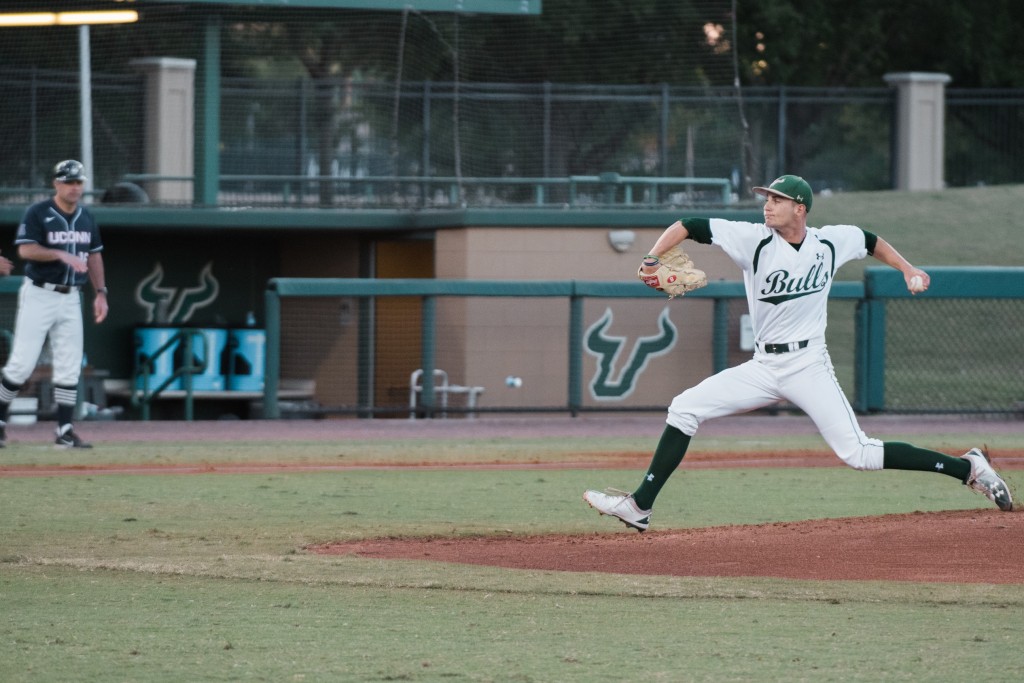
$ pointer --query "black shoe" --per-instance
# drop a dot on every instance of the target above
(68, 439)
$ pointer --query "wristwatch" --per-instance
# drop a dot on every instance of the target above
(101, 290)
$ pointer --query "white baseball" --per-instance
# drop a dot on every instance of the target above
(917, 284)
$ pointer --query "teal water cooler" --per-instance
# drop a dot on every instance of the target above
(246, 359)
(149, 340)
(207, 348)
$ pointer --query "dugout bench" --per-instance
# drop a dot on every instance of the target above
(173, 403)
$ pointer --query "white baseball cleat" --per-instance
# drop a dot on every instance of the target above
(619, 504)
(985, 481)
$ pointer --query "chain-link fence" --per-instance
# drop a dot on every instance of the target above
(984, 137)
(960, 355)
(40, 125)
(272, 147)
(581, 346)
(955, 348)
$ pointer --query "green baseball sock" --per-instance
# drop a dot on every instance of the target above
(667, 456)
(905, 456)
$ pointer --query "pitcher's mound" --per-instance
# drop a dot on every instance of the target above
(964, 546)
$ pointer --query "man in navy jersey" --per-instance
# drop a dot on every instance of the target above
(60, 242)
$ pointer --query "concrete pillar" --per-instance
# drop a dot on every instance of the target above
(169, 126)
(920, 129)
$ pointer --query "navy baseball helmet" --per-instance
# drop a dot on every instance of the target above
(69, 170)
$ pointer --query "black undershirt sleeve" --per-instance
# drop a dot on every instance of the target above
(699, 229)
(870, 241)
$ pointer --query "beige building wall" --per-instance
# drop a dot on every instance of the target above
(481, 341)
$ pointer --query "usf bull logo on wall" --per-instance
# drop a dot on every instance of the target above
(607, 349)
(175, 305)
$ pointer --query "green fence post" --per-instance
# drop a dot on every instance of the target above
(187, 355)
(425, 145)
(272, 367)
(365, 355)
(663, 139)
(428, 349)
(575, 354)
(207, 145)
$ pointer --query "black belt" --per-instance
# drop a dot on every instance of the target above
(62, 289)
(784, 348)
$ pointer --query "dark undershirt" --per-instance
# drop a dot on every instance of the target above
(699, 230)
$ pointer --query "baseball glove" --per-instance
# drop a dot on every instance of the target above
(675, 274)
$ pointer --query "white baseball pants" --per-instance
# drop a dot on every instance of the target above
(43, 312)
(806, 378)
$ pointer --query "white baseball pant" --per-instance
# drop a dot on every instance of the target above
(43, 312)
(806, 378)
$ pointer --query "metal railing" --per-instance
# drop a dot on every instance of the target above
(838, 138)
(429, 291)
(971, 367)
(143, 396)
(606, 190)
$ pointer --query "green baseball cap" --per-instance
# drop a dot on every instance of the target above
(791, 187)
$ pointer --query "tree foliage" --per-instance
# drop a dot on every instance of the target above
(604, 41)
(838, 43)
(783, 42)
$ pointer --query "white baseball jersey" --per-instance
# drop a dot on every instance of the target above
(787, 293)
(787, 288)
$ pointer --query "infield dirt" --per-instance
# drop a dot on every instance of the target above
(968, 546)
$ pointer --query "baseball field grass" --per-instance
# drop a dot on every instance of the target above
(111, 574)
(162, 558)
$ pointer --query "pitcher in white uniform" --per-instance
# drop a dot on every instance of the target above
(788, 270)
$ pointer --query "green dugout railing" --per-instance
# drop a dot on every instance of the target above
(950, 286)
(143, 393)
(884, 285)
(574, 290)
(955, 293)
